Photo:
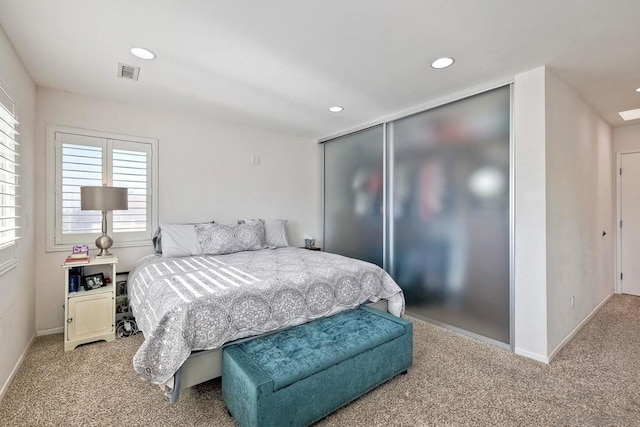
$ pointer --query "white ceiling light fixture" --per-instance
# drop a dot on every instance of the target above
(638, 90)
(336, 109)
(142, 53)
(442, 63)
(630, 114)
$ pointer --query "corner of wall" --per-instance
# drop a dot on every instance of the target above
(14, 371)
(530, 300)
(579, 206)
(17, 305)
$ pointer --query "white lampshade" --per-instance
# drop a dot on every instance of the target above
(103, 199)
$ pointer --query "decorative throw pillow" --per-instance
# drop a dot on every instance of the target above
(218, 239)
(275, 231)
(252, 236)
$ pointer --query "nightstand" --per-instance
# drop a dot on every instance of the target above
(90, 314)
(315, 248)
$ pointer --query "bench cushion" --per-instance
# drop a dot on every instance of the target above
(296, 353)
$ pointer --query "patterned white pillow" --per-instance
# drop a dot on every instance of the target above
(218, 239)
(275, 231)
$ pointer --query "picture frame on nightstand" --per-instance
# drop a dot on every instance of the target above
(94, 281)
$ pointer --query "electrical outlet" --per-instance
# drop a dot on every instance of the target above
(573, 301)
(255, 159)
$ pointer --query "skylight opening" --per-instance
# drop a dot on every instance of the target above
(630, 114)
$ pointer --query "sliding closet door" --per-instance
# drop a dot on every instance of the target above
(353, 195)
(450, 203)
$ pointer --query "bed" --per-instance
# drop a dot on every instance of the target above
(189, 307)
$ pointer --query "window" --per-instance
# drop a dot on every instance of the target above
(81, 158)
(9, 182)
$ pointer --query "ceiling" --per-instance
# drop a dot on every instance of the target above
(280, 64)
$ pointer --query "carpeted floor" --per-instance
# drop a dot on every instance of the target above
(455, 380)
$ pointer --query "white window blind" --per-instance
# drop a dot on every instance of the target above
(9, 175)
(81, 166)
(92, 160)
(130, 170)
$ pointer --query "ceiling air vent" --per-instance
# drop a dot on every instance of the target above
(128, 71)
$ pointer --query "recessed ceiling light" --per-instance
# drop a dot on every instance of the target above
(638, 90)
(442, 63)
(630, 114)
(142, 53)
(336, 109)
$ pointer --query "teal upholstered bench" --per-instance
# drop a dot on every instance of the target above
(297, 376)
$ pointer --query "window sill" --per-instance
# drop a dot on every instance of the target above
(5, 267)
(69, 247)
(8, 257)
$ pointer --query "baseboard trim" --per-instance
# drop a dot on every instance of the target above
(43, 332)
(577, 328)
(531, 355)
(7, 383)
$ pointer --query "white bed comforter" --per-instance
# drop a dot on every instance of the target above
(203, 302)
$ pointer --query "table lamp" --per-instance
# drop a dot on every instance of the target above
(104, 199)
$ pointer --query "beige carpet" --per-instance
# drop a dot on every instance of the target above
(594, 381)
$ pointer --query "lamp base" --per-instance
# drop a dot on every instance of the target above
(103, 243)
(106, 254)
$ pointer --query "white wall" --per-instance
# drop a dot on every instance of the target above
(204, 174)
(17, 298)
(626, 138)
(580, 202)
(563, 201)
(530, 298)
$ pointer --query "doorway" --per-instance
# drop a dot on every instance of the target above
(629, 223)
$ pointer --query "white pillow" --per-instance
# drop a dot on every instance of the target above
(276, 233)
(179, 240)
(275, 230)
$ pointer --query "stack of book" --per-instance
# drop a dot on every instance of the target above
(81, 258)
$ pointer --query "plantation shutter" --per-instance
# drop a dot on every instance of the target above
(131, 163)
(83, 160)
(81, 166)
(9, 175)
